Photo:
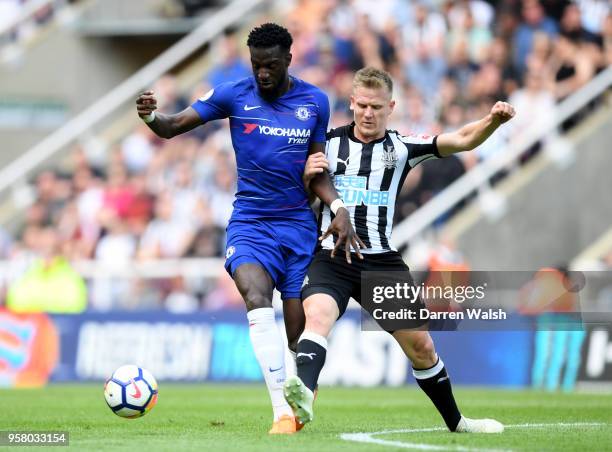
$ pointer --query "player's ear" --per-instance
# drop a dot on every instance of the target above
(391, 106)
(352, 106)
(288, 58)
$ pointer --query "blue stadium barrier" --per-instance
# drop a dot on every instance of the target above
(215, 347)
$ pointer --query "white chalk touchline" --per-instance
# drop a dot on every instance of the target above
(369, 437)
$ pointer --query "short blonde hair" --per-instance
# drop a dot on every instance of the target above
(370, 77)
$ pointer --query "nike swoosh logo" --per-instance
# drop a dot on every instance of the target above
(247, 108)
(275, 370)
(137, 394)
(442, 379)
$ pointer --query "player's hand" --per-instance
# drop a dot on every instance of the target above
(347, 237)
(316, 164)
(146, 103)
(502, 112)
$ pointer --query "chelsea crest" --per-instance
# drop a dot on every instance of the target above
(302, 113)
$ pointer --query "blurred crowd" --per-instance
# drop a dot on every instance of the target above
(450, 60)
(11, 11)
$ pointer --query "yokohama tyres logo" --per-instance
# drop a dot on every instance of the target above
(276, 131)
(248, 128)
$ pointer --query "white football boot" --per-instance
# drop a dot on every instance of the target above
(467, 425)
(299, 398)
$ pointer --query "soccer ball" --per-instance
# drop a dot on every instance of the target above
(131, 391)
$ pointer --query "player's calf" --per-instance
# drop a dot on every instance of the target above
(435, 382)
(321, 313)
(293, 314)
(310, 358)
(418, 347)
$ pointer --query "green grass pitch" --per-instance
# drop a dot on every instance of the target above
(237, 418)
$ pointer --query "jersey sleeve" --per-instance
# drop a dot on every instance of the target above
(328, 151)
(420, 148)
(320, 130)
(216, 103)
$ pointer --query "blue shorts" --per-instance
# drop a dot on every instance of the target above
(284, 248)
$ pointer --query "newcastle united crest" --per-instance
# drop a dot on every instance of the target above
(389, 156)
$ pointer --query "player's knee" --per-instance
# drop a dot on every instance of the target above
(256, 301)
(319, 317)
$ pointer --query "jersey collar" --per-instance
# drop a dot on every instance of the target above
(351, 133)
(293, 82)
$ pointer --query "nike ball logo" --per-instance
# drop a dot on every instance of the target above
(247, 108)
(275, 370)
(137, 394)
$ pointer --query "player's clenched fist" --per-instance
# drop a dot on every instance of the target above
(502, 112)
(316, 164)
(146, 103)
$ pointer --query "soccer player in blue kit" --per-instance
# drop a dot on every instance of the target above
(276, 121)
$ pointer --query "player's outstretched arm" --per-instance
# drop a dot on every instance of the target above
(475, 133)
(322, 186)
(165, 126)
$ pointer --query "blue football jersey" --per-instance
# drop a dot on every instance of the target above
(271, 141)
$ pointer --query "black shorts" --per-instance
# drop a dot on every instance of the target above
(341, 280)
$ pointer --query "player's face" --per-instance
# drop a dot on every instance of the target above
(270, 68)
(371, 109)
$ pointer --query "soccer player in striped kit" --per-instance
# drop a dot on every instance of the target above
(369, 164)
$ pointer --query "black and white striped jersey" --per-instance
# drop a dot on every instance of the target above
(369, 177)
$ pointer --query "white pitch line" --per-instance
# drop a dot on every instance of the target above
(368, 437)
(558, 424)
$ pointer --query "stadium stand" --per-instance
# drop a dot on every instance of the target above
(20, 21)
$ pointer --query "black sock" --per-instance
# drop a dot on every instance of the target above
(310, 360)
(436, 384)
